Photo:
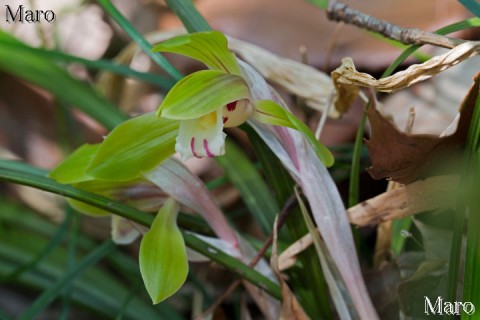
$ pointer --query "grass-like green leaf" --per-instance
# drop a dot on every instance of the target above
(472, 5)
(139, 39)
(163, 255)
(188, 14)
(254, 191)
(52, 293)
(29, 235)
(14, 59)
(210, 47)
(23, 175)
(201, 93)
(354, 184)
(310, 285)
(322, 4)
(269, 112)
(135, 146)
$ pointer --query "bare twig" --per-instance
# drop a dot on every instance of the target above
(282, 217)
(341, 12)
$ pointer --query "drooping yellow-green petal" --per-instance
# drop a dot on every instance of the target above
(210, 47)
(201, 93)
(74, 168)
(269, 112)
(163, 255)
(135, 146)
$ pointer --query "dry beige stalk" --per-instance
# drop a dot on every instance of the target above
(291, 309)
(422, 195)
(346, 74)
(287, 258)
(405, 200)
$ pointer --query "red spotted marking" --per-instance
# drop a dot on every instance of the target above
(225, 119)
(232, 106)
(205, 145)
(192, 146)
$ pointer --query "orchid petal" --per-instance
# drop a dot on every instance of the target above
(124, 231)
(201, 137)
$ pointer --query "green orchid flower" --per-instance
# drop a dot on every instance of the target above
(207, 101)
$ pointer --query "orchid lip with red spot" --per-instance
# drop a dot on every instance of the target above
(232, 106)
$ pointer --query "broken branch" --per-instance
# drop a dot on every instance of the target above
(341, 12)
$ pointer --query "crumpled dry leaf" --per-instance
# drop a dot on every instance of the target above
(291, 309)
(346, 74)
(433, 99)
(405, 158)
(345, 94)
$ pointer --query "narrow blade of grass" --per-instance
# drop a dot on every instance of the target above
(51, 294)
(188, 14)
(470, 179)
(142, 218)
(139, 39)
(46, 74)
(107, 65)
(471, 5)
(354, 185)
(255, 193)
(461, 25)
(308, 281)
(52, 245)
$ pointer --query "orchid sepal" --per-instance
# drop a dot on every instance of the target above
(209, 47)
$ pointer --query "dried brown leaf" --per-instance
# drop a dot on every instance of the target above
(405, 158)
(345, 93)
